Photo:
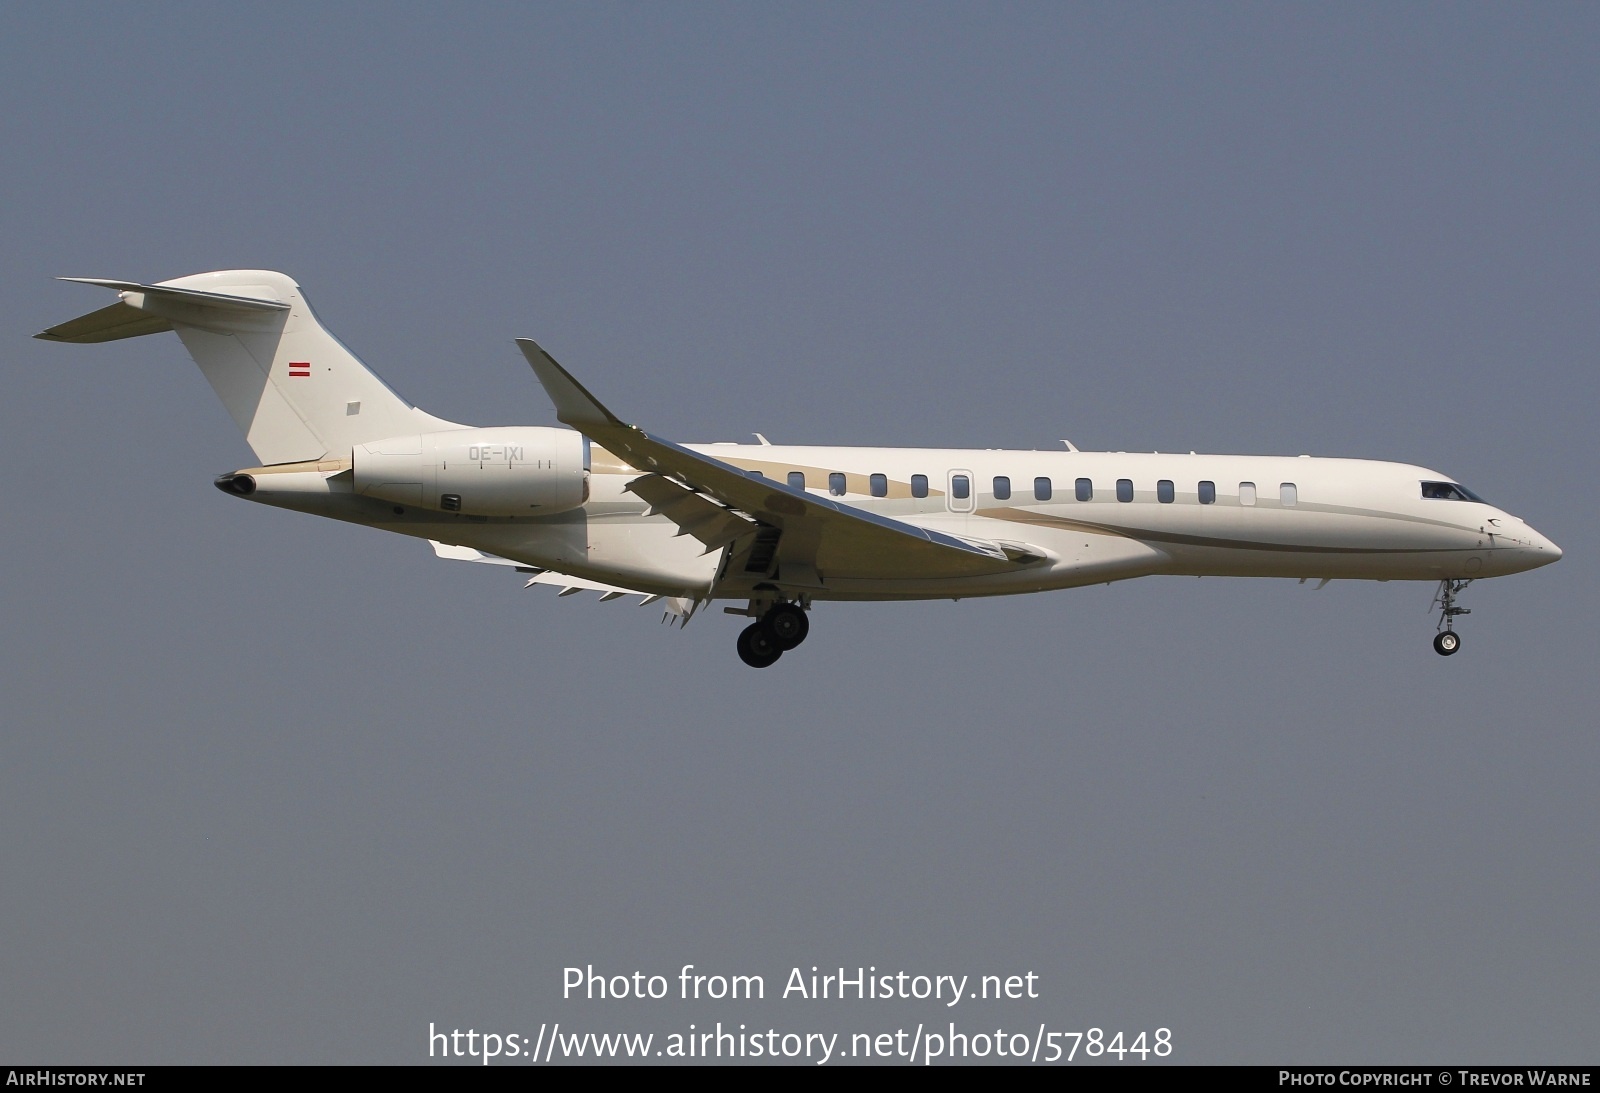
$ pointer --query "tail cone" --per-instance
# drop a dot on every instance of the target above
(242, 485)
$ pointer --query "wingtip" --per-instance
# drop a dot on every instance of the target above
(574, 404)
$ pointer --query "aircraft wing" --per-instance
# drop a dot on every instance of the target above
(820, 536)
(678, 607)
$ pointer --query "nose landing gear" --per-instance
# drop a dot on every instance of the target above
(1447, 641)
(783, 627)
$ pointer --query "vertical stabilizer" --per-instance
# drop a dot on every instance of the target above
(295, 391)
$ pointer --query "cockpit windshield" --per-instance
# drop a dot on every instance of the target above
(1448, 491)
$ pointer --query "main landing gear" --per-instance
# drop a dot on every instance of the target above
(783, 627)
(1447, 641)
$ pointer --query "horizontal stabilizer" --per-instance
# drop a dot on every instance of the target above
(127, 318)
(187, 295)
(109, 324)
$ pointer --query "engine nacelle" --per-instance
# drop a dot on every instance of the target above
(513, 471)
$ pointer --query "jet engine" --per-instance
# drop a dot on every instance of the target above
(513, 471)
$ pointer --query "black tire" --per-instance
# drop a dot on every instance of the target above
(1446, 643)
(758, 647)
(788, 624)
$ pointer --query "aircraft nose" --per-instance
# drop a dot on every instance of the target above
(1540, 550)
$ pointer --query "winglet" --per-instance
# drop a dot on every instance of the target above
(575, 406)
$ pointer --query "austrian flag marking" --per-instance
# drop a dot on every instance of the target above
(300, 368)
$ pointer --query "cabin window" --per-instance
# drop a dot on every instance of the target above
(960, 487)
(1288, 496)
(755, 474)
(1447, 491)
(1124, 489)
(1164, 492)
(919, 485)
(879, 485)
(1208, 493)
(1002, 488)
(797, 479)
(1083, 489)
(836, 484)
(1041, 489)
(1247, 493)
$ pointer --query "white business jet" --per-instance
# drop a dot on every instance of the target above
(614, 509)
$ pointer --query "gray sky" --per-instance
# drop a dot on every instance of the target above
(282, 790)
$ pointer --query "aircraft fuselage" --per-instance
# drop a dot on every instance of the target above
(1091, 516)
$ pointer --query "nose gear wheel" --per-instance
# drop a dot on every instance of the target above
(1447, 641)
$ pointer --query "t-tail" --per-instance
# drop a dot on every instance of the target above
(295, 391)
